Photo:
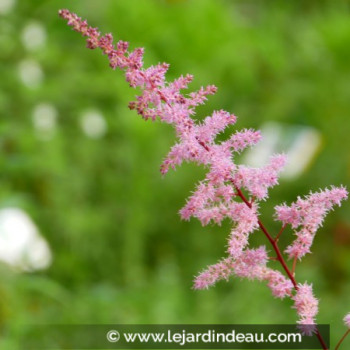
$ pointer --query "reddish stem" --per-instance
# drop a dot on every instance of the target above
(280, 233)
(322, 342)
(342, 339)
(203, 145)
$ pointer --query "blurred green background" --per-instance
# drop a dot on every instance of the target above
(86, 169)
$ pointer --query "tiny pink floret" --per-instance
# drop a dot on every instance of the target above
(347, 320)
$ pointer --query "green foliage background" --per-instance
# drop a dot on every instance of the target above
(121, 253)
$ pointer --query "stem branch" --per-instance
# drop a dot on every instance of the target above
(342, 339)
(279, 233)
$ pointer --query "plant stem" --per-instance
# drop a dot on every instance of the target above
(279, 233)
(342, 339)
(322, 342)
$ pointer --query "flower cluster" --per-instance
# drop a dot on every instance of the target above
(229, 191)
(306, 304)
(307, 216)
(251, 265)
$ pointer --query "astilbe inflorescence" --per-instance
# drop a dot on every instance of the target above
(220, 194)
(307, 216)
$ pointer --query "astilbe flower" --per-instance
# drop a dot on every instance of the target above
(306, 304)
(307, 215)
(221, 270)
(247, 220)
(257, 180)
(252, 265)
(220, 195)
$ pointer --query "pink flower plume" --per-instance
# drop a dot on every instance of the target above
(307, 215)
(222, 192)
(306, 304)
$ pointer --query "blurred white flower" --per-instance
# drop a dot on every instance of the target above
(30, 73)
(44, 120)
(33, 35)
(6, 6)
(299, 143)
(93, 124)
(301, 153)
(21, 244)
